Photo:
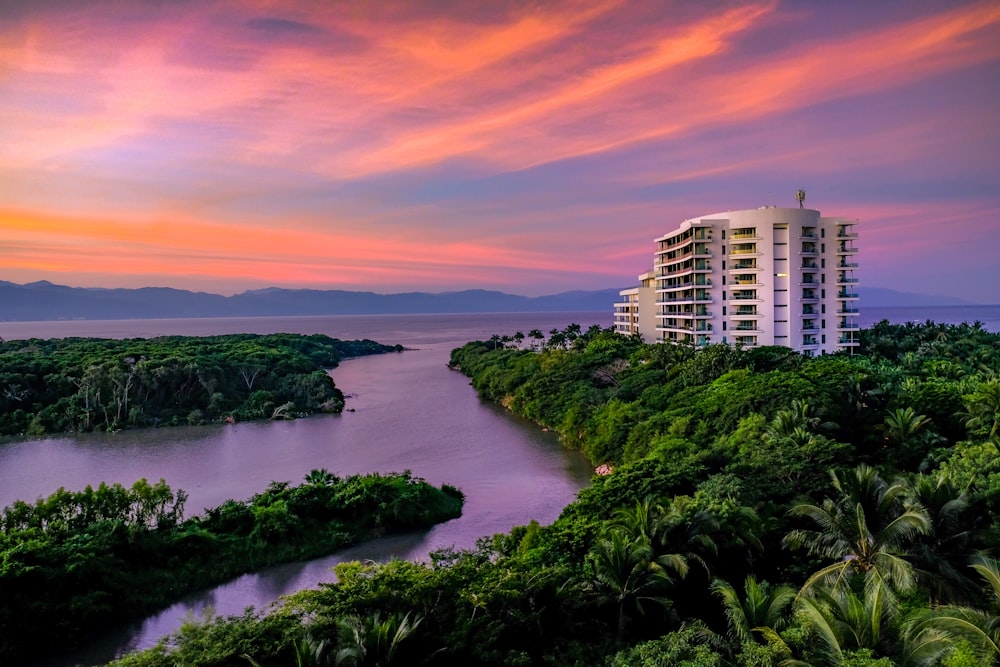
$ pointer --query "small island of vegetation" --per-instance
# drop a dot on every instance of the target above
(74, 562)
(85, 384)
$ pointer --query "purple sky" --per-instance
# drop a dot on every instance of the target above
(223, 146)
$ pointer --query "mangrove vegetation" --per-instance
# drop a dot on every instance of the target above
(85, 384)
(756, 507)
(74, 562)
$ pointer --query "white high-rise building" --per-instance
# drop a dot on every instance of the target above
(768, 276)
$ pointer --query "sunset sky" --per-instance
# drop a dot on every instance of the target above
(529, 147)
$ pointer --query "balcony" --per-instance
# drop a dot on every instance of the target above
(844, 325)
(846, 294)
(847, 281)
(673, 270)
(809, 249)
(809, 296)
(746, 236)
(743, 266)
(848, 310)
(689, 298)
(809, 310)
(846, 340)
(808, 281)
(846, 265)
(699, 281)
(844, 249)
(847, 235)
(807, 264)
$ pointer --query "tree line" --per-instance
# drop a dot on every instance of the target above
(85, 384)
(74, 562)
(761, 508)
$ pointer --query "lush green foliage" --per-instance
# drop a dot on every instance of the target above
(81, 384)
(763, 509)
(74, 561)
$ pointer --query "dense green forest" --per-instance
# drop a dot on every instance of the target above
(74, 562)
(82, 384)
(762, 508)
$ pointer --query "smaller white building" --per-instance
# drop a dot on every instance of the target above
(634, 311)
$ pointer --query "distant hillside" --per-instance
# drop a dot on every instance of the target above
(43, 300)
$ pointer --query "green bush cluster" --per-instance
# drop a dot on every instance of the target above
(83, 384)
(75, 561)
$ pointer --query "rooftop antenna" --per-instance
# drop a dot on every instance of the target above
(800, 196)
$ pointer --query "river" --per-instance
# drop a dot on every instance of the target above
(409, 412)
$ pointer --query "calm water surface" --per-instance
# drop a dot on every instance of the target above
(410, 412)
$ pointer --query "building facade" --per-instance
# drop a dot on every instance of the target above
(767, 276)
(633, 303)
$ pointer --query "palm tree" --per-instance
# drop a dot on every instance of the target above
(537, 336)
(373, 641)
(626, 575)
(939, 628)
(903, 424)
(908, 432)
(309, 652)
(843, 619)
(941, 557)
(866, 531)
(321, 477)
(983, 408)
(688, 535)
(761, 608)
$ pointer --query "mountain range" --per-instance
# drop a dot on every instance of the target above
(44, 300)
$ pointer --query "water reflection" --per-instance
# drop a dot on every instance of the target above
(411, 412)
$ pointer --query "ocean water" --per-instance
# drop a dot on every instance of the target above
(989, 316)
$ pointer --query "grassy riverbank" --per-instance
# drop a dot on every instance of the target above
(74, 562)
